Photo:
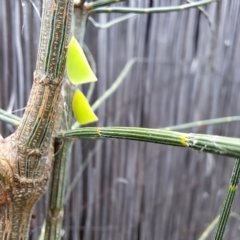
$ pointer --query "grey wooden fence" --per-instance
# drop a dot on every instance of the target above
(131, 190)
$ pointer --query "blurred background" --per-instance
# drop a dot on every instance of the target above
(130, 190)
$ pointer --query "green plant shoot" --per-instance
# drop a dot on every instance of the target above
(82, 110)
(78, 69)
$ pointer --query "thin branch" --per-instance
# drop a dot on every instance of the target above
(207, 143)
(9, 115)
(151, 10)
(62, 149)
(228, 202)
(36, 9)
(209, 229)
(92, 62)
(235, 215)
(116, 84)
(79, 173)
(204, 13)
(101, 3)
(90, 91)
(203, 123)
(213, 224)
(9, 118)
(90, 58)
(112, 22)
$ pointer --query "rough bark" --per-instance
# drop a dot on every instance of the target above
(26, 156)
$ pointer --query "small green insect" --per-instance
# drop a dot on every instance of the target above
(82, 110)
(78, 69)
(79, 72)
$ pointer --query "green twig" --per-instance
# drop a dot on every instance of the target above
(90, 91)
(92, 62)
(36, 9)
(209, 229)
(79, 173)
(9, 118)
(62, 149)
(203, 12)
(207, 143)
(213, 224)
(204, 123)
(235, 215)
(112, 22)
(227, 205)
(151, 10)
(116, 84)
(9, 115)
(90, 58)
(55, 210)
(101, 3)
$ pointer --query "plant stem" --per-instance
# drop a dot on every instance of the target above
(203, 12)
(26, 160)
(101, 3)
(28, 151)
(227, 205)
(207, 143)
(151, 10)
(116, 83)
(9, 118)
(213, 224)
(112, 22)
(57, 189)
(204, 123)
(90, 91)
(39, 120)
(90, 58)
(62, 150)
(80, 172)
(92, 63)
(9, 115)
(207, 231)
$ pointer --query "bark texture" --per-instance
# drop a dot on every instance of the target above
(26, 160)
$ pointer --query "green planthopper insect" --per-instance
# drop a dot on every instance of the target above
(80, 72)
